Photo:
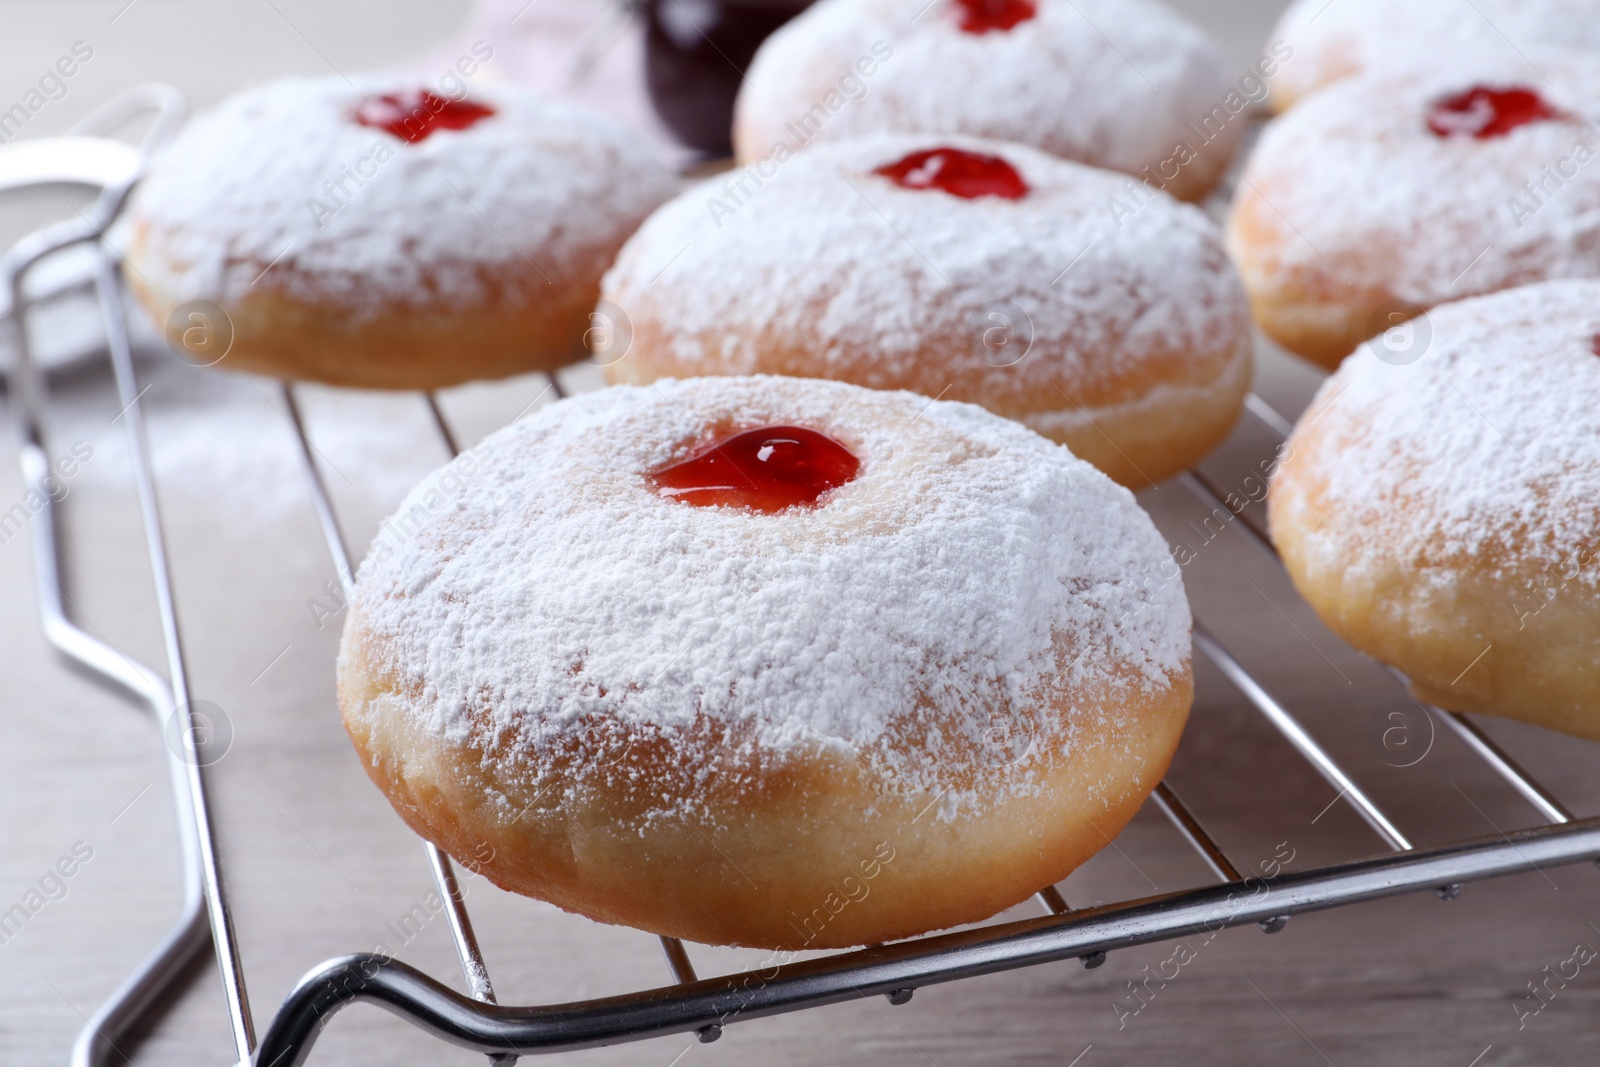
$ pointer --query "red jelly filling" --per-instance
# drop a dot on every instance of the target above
(985, 16)
(413, 115)
(965, 174)
(1484, 112)
(766, 469)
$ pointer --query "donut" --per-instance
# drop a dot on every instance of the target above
(1319, 43)
(773, 662)
(1095, 310)
(1123, 84)
(1441, 511)
(382, 235)
(1386, 194)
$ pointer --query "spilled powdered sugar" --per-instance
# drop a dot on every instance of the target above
(1112, 278)
(225, 440)
(1361, 192)
(558, 588)
(1112, 82)
(279, 186)
(1487, 447)
(1352, 36)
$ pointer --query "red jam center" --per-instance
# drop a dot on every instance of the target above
(766, 469)
(1485, 112)
(985, 16)
(413, 115)
(965, 174)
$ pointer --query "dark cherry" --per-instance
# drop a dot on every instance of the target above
(990, 16)
(414, 115)
(766, 469)
(694, 58)
(1485, 111)
(959, 173)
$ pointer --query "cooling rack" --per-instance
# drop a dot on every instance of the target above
(688, 1004)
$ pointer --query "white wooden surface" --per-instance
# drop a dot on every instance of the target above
(317, 864)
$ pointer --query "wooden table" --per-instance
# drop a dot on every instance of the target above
(317, 864)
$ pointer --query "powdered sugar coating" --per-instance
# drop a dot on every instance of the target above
(1115, 281)
(1484, 451)
(1358, 192)
(1107, 82)
(278, 188)
(555, 586)
(1347, 37)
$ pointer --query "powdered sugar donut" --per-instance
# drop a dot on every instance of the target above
(1387, 194)
(1076, 301)
(1443, 515)
(769, 661)
(1121, 84)
(379, 235)
(1326, 42)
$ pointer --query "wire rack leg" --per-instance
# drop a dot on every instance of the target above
(223, 937)
(158, 974)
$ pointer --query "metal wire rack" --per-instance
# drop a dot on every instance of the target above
(690, 1004)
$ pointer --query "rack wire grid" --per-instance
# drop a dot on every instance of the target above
(690, 1004)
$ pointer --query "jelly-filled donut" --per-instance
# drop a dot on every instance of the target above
(1123, 84)
(383, 235)
(1384, 195)
(1097, 311)
(768, 661)
(1325, 42)
(1442, 513)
